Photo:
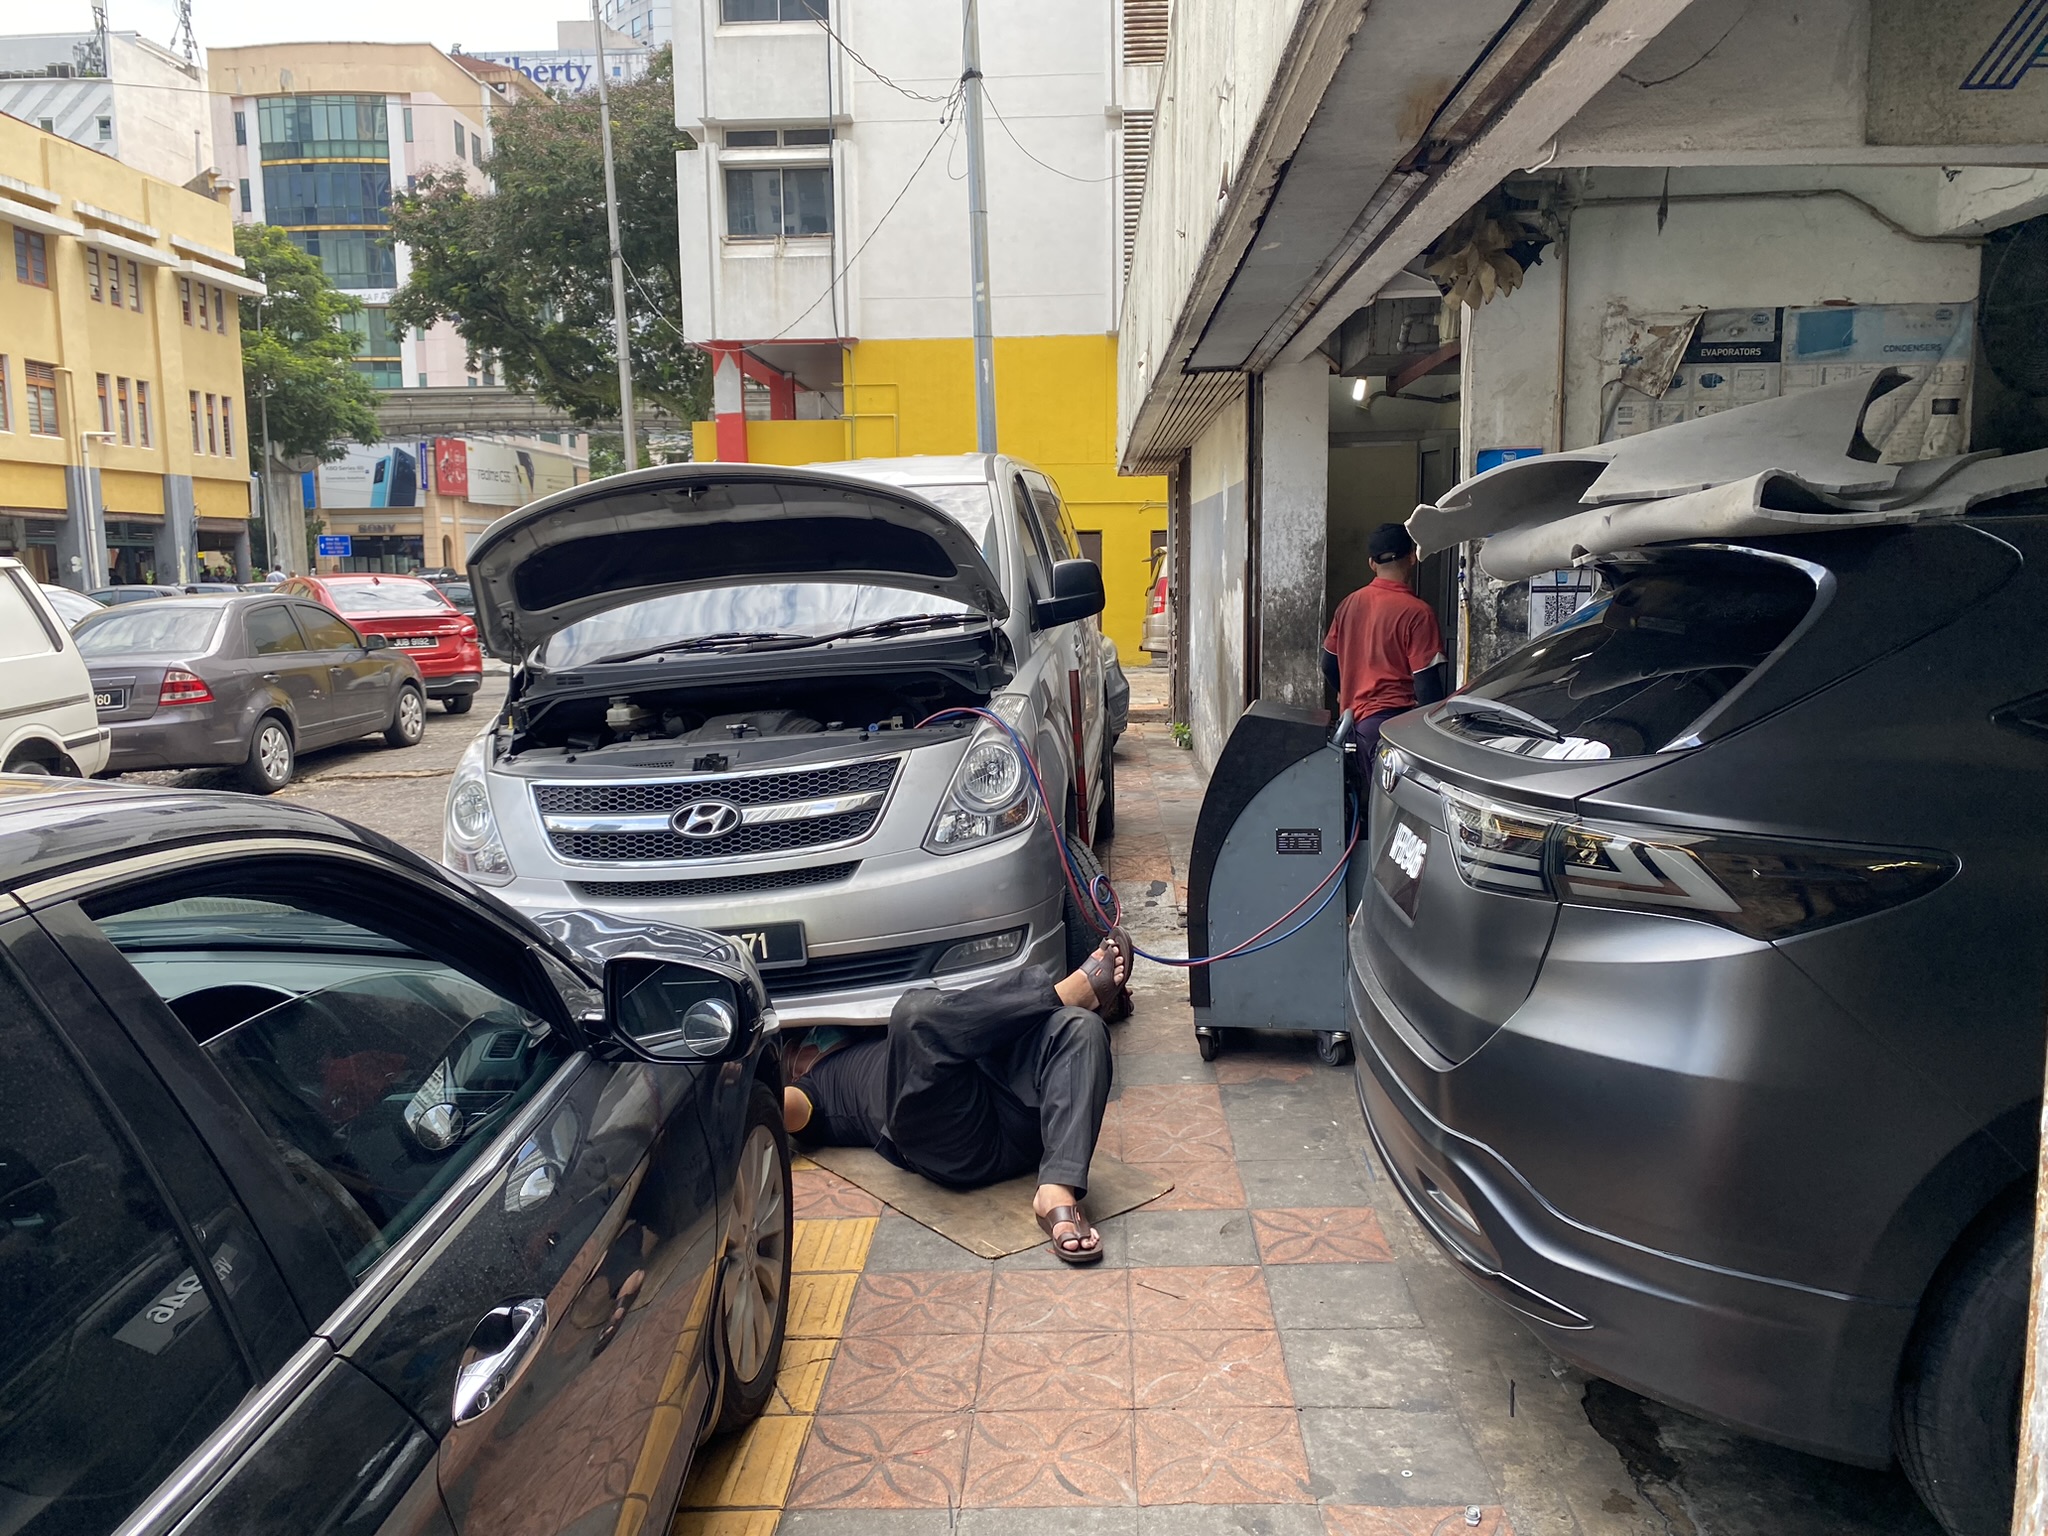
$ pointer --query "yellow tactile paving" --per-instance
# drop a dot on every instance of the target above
(801, 1164)
(801, 1380)
(833, 1247)
(817, 1305)
(753, 1469)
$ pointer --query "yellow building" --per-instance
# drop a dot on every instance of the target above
(123, 447)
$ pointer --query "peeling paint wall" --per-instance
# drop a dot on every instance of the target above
(1216, 580)
(1293, 496)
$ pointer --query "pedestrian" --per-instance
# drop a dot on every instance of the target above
(275, 573)
(973, 1087)
(1384, 652)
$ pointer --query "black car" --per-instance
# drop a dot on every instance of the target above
(334, 1196)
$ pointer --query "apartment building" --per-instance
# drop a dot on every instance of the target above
(123, 425)
(825, 239)
(114, 92)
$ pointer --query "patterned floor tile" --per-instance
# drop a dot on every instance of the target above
(919, 1301)
(1424, 1520)
(821, 1195)
(1321, 1235)
(1261, 1072)
(1055, 1371)
(1220, 1456)
(883, 1461)
(1197, 1186)
(1212, 1369)
(1034, 1460)
(1060, 1301)
(904, 1373)
(1173, 1122)
(1185, 1300)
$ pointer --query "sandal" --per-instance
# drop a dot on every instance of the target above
(1067, 1249)
(1112, 997)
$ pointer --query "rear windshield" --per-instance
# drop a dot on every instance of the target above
(176, 629)
(384, 596)
(1635, 669)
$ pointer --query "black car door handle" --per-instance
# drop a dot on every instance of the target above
(500, 1349)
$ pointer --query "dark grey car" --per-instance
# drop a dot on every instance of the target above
(250, 680)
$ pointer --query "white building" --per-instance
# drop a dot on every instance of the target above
(142, 104)
(652, 22)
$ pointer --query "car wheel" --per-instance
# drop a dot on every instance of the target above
(26, 765)
(1957, 1419)
(271, 760)
(753, 1298)
(408, 720)
(458, 703)
(1084, 929)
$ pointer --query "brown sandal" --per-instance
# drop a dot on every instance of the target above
(1072, 1216)
(1112, 997)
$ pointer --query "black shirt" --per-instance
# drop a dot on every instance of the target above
(849, 1092)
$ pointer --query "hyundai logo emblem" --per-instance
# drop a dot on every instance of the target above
(706, 818)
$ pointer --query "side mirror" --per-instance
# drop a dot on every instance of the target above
(663, 1010)
(1076, 594)
(375, 643)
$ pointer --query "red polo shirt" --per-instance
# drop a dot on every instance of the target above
(1382, 635)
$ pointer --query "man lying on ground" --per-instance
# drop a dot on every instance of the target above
(970, 1088)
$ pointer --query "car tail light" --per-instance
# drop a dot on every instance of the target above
(1763, 887)
(1159, 595)
(182, 687)
(467, 631)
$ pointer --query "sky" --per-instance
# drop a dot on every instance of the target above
(495, 26)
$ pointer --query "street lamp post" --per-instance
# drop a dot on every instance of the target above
(611, 215)
(95, 511)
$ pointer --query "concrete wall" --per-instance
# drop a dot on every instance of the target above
(1293, 427)
(1216, 580)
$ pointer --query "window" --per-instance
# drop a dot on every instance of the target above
(23, 632)
(106, 403)
(31, 264)
(243, 187)
(461, 151)
(92, 274)
(1031, 543)
(41, 379)
(185, 297)
(349, 193)
(241, 127)
(198, 444)
(220, 310)
(200, 290)
(772, 10)
(212, 424)
(135, 286)
(142, 412)
(6, 398)
(379, 1082)
(423, 379)
(47, 124)
(109, 1321)
(323, 128)
(227, 426)
(803, 138)
(751, 138)
(124, 411)
(106, 128)
(771, 202)
(408, 124)
(325, 632)
(352, 259)
(272, 632)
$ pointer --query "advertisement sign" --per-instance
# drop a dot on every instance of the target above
(494, 475)
(451, 466)
(373, 475)
(337, 544)
(571, 70)
(497, 474)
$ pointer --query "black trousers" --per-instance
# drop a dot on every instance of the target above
(989, 1083)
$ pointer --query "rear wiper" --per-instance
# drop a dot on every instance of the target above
(1516, 720)
(695, 643)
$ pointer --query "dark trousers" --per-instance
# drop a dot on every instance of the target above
(994, 1081)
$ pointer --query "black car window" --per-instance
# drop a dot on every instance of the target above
(1052, 517)
(376, 1070)
(1031, 544)
(271, 631)
(1632, 671)
(114, 1362)
(324, 632)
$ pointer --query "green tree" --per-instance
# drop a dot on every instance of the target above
(296, 352)
(523, 271)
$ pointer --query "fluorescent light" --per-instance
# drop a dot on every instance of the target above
(1358, 391)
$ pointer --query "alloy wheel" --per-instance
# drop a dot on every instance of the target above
(274, 753)
(753, 1290)
(412, 714)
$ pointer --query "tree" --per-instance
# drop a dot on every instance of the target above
(523, 271)
(296, 352)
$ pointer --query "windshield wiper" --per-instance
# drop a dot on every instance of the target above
(1518, 721)
(695, 643)
(902, 624)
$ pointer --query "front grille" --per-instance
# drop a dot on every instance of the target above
(717, 885)
(844, 973)
(668, 795)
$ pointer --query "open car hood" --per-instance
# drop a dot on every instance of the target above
(1799, 464)
(687, 527)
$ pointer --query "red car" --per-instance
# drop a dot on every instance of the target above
(414, 616)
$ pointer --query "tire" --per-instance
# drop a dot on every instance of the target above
(1956, 1419)
(271, 760)
(751, 1322)
(408, 719)
(1083, 931)
(458, 703)
(1333, 1047)
(1208, 1044)
(1105, 818)
(34, 765)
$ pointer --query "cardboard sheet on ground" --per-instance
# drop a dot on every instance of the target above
(992, 1222)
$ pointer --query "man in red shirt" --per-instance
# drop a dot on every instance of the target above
(1384, 653)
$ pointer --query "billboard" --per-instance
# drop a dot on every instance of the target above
(571, 70)
(370, 475)
(497, 474)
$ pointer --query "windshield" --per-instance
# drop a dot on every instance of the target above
(384, 596)
(181, 628)
(773, 608)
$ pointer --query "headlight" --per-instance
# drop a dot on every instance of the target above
(990, 796)
(469, 840)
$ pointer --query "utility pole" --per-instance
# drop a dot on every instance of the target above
(977, 239)
(611, 214)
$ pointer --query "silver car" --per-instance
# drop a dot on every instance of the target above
(734, 705)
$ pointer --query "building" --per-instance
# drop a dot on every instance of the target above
(123, 426)
(1679, 205)
(118, 93)
(825, 240)
(650, 22)
(570, 67)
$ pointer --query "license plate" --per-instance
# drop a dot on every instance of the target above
(773, 945)
(1399, 867)
(415, 642)
(110, 698)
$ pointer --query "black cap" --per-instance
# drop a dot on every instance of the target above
(1389, 541)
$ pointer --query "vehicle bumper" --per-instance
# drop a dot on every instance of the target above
(453, 684)
(1804, 1367)
(174, 738)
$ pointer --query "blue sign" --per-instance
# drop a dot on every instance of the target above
(1493, 458)
(336, 544)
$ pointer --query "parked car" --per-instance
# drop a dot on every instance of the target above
(338, 1196)
(721, 678)
(47, 720)
(457, 592)
(138, 593)
(1158, 637)
(71, 606)
(413, 616)
(252, 679)
(1698, 989)
(260, 586)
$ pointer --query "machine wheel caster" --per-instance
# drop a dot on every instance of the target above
(1333, 1047)
(1208, 1042)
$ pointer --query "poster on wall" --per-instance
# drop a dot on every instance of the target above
(497, 474)
(369, 475)
(1740, 356)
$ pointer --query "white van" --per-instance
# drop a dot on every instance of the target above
(49, 720)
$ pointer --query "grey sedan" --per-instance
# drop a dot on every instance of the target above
(250, 680)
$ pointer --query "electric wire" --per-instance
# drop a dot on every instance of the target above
(1086, 181)
(901, 90)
